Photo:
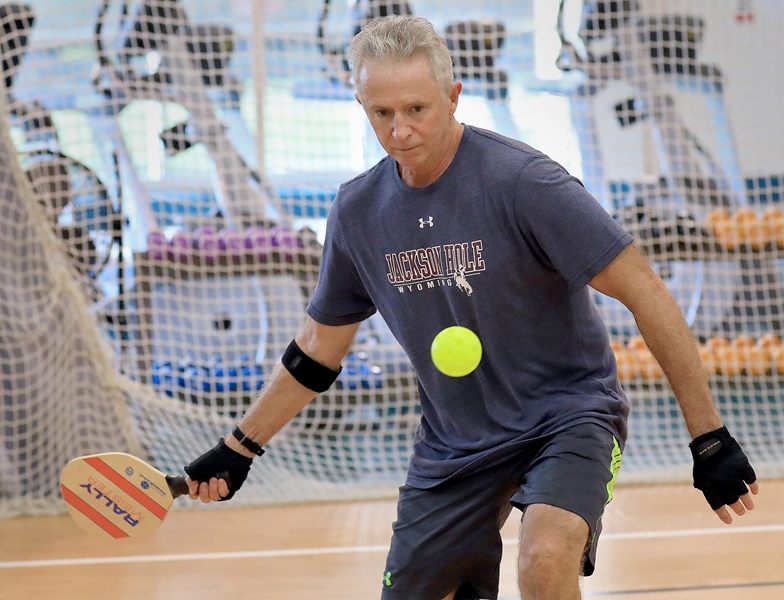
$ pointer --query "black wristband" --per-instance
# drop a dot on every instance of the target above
(308, 372)
(247, 442)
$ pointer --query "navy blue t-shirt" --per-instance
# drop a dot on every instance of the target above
(503, 243)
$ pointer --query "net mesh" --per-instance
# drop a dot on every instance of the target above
(166, 176)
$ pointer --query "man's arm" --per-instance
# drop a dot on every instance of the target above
(282, 397)
(629, 279)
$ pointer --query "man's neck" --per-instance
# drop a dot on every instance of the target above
(419, 179)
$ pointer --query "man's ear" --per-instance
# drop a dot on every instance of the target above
(454, 93)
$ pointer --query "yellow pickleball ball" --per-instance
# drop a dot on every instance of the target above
(456, 351)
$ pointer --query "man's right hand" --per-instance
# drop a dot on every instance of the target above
(217, 474)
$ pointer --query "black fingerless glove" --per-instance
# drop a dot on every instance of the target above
(721, 469)
(221, 462)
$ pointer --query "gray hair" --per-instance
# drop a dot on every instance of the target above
(399, 37)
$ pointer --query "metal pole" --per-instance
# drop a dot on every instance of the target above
(259, 79)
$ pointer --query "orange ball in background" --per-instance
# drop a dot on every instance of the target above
(636, 343)
(717, 342)
(769, 341)
(750, 229)
(628, 365)
(756, 360)
(715, 216)
(728, 234)
(708, 358)
(729, 360)
(649, 366)
(744, 214)
(777, 354)
(743, 341)
(773, 224)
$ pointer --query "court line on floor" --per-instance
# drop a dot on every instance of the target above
(674, 590)
(630, 535)
(691, 588)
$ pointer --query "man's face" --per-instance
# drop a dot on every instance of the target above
(411, 116)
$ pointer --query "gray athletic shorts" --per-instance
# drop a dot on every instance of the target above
(447, 537)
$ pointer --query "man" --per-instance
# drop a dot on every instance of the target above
(540, 424)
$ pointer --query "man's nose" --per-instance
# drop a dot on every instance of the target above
(400, 128)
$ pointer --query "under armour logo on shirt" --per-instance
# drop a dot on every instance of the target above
(423, 222)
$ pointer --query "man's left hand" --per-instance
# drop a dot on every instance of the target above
(722, 473)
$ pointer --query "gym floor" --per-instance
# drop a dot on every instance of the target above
(660, 542)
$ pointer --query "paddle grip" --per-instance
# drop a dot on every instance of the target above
(178, 487)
